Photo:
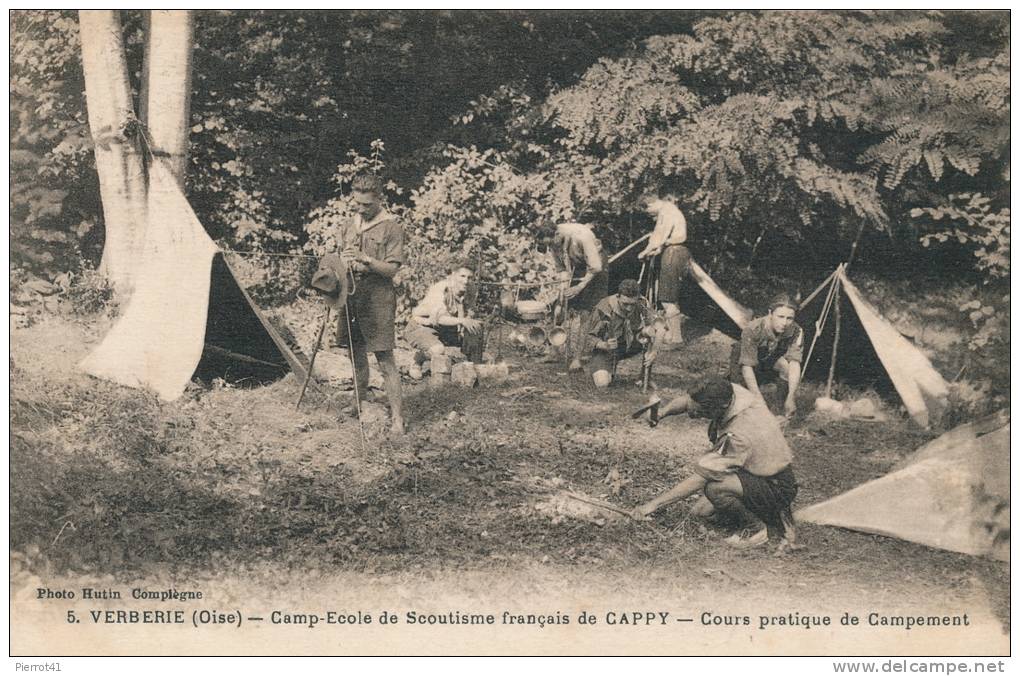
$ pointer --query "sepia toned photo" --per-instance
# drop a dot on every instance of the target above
(510, 332)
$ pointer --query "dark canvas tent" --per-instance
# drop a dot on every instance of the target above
(702, 299)
(869, 351)
(952, 493)
(187, 315)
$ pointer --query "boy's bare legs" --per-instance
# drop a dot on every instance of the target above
(391, 381)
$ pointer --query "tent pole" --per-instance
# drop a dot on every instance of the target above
(754, 249)
(823, 285)
(853, 248)
(835, 348)
(823, 316)
(311, 362)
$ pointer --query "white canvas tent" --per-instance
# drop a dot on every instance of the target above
(848, 338)
(187, 316)
(952, 493)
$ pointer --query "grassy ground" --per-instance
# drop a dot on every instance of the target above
(109, 481)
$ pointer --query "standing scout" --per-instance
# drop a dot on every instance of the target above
(440, 320)
(668, 240)
(771, 349)
(577, 255)
(748, 468)
(615, 332)
(372, 245)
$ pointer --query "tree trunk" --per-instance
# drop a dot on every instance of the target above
(119, 161)
(166, 86)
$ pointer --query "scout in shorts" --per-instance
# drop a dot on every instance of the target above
(668, 242)
(581, 266)
(749, 467)
(771, 349)
(372, 246)
(440, 321)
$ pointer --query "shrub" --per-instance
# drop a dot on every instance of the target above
(86, 290)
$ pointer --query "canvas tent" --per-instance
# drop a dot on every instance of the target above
(952, 493)
(703, 300)
(847, 338)
(187, 317)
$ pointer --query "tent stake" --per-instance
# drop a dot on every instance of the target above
(835, 348)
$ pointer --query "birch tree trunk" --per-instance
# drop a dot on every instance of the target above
(166, 85)
(119, 160)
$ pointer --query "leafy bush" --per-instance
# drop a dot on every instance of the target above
(968, 220)
(86, 290)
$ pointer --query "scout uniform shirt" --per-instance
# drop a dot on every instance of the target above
(373, 301)
(611, 320)
(760, 346)
(438, 302)
(749, 437)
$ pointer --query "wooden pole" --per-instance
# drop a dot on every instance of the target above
(822, 317)
(311, 362)
(835, 345)
(754, 249)
(627, 248)
(853, 248)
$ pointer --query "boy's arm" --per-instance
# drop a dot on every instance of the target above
(685, 488)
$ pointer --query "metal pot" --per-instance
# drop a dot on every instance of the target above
(536, 336)
(531, 310)
(557, 336)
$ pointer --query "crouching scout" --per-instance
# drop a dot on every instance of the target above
(440, 321)
(616, 332)
(771, 350)
(749, 467)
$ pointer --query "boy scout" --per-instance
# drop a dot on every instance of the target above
(440, 321)
(668, 240)
(615, 332)
(771, 349)
(372, 246)
(581, 264)
(748, 468)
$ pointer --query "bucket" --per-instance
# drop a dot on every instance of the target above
(557, 337)
(531, 310)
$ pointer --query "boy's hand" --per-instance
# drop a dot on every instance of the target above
(639, 513)
(608, 345)
(470, 325)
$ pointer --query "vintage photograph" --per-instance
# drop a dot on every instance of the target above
(509, 332)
